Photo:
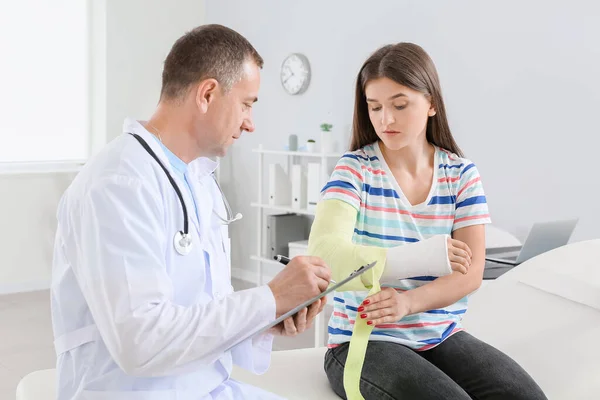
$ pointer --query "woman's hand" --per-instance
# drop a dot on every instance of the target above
(387, 306)
(300, 322)
(459, 255)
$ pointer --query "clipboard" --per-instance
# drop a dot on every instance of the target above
(290, 313)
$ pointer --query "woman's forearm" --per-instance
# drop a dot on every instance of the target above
(447, 290)
(442, 292)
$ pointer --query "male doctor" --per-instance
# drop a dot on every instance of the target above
(142, 303)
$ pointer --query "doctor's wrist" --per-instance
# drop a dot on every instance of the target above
(271, 301)
(277, 299)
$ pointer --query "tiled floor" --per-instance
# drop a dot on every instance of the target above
(26, 341)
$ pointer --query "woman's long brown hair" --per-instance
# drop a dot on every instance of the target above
(410, 66)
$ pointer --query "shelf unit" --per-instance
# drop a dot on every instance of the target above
(261, 207)
(292, 156)
(265, 260)
(261, 150)
(288, 209)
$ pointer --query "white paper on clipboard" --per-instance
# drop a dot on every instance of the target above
(288, 314)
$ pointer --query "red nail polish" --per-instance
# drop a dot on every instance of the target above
(361, 309)
(363, 316)
(369, 322)
(366, 302)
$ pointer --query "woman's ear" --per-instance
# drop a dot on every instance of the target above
(431, 111)
(205, 93)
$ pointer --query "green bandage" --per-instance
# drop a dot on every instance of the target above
(331, 239)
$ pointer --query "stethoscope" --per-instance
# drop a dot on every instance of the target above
(182, 241)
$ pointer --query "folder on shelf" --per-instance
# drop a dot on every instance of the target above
(279, 186)
(282, 229)
(314, 185)
(298, 187)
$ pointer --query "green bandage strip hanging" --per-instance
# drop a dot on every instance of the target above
(331, 239)
(357, 350)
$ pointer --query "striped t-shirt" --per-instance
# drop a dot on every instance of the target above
(386, 219)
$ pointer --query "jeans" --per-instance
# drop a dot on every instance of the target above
(461, 367)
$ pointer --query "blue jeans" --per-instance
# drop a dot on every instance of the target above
(460, 368)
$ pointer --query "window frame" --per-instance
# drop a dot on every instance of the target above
(96, 66)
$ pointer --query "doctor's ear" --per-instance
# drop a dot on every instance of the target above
(205, 93)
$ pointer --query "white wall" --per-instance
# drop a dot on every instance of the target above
(27, 225)
(132, 39)
(139, 36)
(520, 80)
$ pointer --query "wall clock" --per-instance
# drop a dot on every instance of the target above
(295, 74)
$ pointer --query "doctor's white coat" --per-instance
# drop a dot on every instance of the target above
(132, 318)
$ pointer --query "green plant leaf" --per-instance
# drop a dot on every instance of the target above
(325, 127)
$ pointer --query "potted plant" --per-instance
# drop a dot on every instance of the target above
(326, 127)
(326, 138)
(310, 145)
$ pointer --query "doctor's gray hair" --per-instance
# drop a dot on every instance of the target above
(208, 51)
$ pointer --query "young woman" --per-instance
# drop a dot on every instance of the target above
(404, 182)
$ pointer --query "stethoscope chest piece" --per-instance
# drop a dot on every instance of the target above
(183, 243)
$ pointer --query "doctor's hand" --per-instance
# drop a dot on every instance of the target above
(300, 322)
(303, 278)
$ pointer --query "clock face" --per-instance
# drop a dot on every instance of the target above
(295, 74)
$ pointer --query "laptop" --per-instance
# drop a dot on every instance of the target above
(543, 237)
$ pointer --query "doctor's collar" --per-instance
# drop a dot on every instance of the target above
(203, 166)
(175, 161)
(131, 125)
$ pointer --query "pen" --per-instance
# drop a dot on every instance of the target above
(285, 261)
(282, 259)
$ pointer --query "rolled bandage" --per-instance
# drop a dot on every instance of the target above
(425, 258)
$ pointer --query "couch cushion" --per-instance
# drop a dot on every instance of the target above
(294, 374)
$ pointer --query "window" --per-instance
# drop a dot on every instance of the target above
(44, 81)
